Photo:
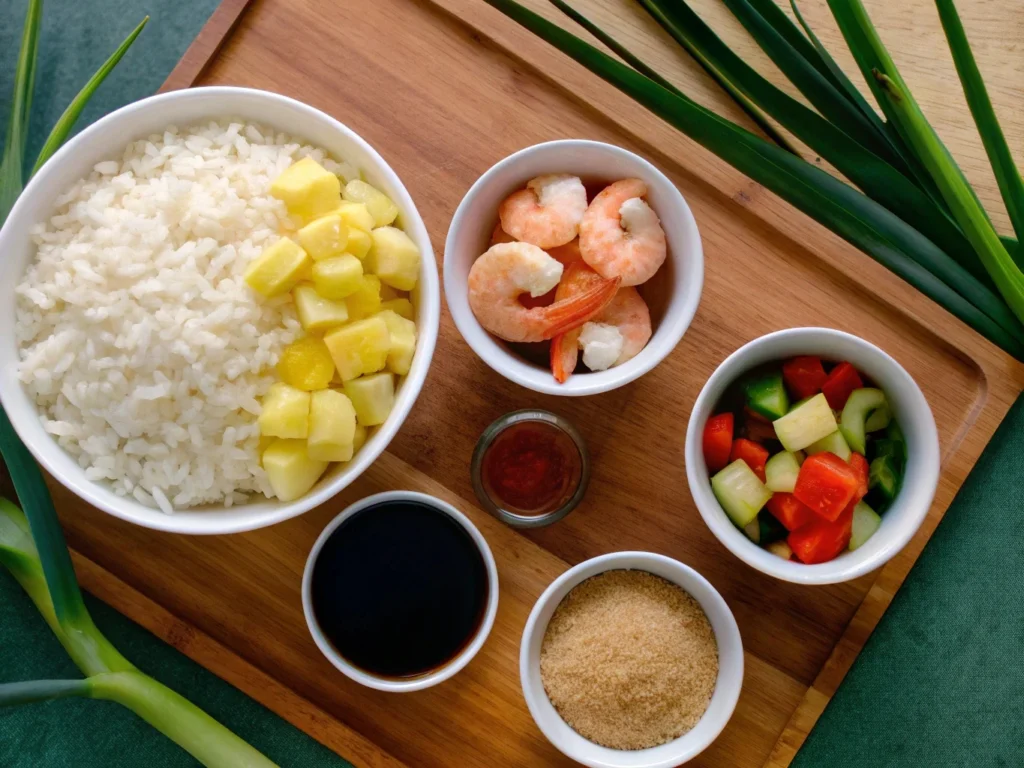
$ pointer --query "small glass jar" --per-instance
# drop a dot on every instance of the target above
(530, 468)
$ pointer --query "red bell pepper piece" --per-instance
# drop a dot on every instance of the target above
(804, 376)
(755, 454)
(790, 511)
(840, 383)
(859, 464)
(718, 441)
(822, 540)
(826, 484)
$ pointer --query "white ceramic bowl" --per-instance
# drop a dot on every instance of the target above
(422, 681)
(106, 139)
(899, 522)
(727, 687)
(672, 295)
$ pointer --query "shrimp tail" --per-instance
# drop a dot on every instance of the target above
(574, 311)
(565, 354)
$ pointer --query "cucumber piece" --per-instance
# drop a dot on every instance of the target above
(767, 396)
(834, 443)
(780, 472)
(855, 413)
(865, 523)
(883, 476)
(740, 492)
(894, 433)
(765, 529)
(781, 549)
(878, 419)
(805, 423)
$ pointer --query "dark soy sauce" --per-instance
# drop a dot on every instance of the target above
(399, 589)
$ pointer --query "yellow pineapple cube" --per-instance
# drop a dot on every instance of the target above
(377, 203)
(355, 215)
(284, 412)
(394, 258)
(338, 277)
(360, 437)
(332, 426)
(365, 301)
(401, 307)
(359, 347)
(306, 364)
(307, 189)
(317, 313)
(278, 268)
(290, 469)
(372, 397)
(403, 341)
(324, 237)
(359, 243)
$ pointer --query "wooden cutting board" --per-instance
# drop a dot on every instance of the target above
(443, 89)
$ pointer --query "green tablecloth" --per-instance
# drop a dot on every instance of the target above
(940, 682)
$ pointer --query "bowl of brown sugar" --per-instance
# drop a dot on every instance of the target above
(631, 660)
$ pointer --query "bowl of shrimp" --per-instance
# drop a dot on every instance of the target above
(573, 267)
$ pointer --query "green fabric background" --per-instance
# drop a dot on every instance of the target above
(940, 683)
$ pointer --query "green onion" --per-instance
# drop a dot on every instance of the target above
(17, 124)
(849, 213)
(109, 675)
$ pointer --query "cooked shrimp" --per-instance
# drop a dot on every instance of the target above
(547, 213)
(507, 270)
(567, 253)
(499, 235)
(621, 236)
(611, 338)
(578, 278)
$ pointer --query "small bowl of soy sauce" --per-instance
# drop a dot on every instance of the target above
(400, 591)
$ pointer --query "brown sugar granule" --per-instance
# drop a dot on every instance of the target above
(629, 660)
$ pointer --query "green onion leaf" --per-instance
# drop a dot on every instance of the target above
(1006, 173)
(31, 691)
(838, 206)
(876, 178)
(62, 129)
(958, 193)
(11, 170)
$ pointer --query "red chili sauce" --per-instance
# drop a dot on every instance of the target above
(531, 468)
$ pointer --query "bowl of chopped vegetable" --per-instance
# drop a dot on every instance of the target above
(812, 455)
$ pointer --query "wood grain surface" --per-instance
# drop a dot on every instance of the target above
(443, 89)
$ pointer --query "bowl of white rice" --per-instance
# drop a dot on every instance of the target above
(132, 355)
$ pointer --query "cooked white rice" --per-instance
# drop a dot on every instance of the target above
(143, 348)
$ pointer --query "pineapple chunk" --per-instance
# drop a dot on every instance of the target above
(359, 243)
(377, 203)
(306, 364)
(403, 341)
(355, 215)
(317, 313)
(365, 301)
(332, 426)
(394, 258)
(401, 307)
(278, 268)
(372, 397)
(285, 412)
(290, 469)
(359, 347)
(307, 189)
(324, 237)
(338, 277)
(360, 437)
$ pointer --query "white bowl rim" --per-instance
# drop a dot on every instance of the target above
(510, 365)
(465, 655)
(715, 604)
(848, 565)
(212, 522)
